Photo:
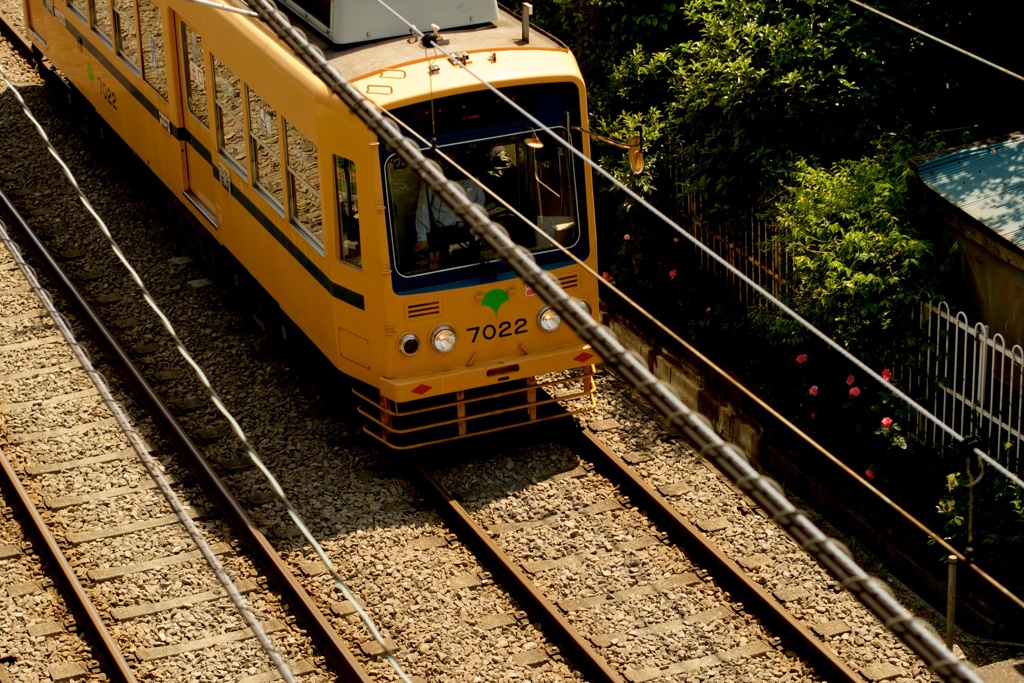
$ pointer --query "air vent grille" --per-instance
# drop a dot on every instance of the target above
(425, 309)
(569, 280)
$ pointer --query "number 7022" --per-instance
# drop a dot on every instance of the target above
(503, 329)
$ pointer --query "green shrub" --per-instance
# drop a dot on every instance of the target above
(987, 517)
(860, 267)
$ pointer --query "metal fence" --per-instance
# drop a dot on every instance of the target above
(970, 380)
(974, 383)
(750, 247)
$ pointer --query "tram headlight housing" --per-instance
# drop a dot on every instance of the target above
(585, 305)
(443, 339)
(409, 344)
(548, 319)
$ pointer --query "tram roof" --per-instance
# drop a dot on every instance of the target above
(366, 58)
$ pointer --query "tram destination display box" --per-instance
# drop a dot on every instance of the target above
(345, 22)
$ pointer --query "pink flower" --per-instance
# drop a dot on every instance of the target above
(886, 375)
(626, 237)
(850, 380)
(886, 422)
(676, 240)
(801, 359)
(812, 415)
(813, 391)
(607, 276)
(854, 392)
(672, 274)
(707, 310)
(870, 474)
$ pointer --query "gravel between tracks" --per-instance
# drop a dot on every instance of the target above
(773, 559)
(429, 595)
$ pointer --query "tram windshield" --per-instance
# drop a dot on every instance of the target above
(519, 181)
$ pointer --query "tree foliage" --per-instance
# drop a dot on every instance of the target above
(986, 514)
(764, 83)
(601, 32)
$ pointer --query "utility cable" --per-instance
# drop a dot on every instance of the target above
(768, 296)
(236, 428)
(938, 40)
(136, 441)
(726, 456)
(644, 313)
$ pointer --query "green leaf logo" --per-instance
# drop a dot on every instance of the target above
(88, 70)
(495, 299)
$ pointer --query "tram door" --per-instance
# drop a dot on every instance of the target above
(202, 178)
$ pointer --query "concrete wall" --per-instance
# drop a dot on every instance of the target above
(701, 389)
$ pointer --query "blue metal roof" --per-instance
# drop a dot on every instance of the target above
(985, 181)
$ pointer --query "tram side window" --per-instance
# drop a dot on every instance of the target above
(195, 75)
(304, 184)
(80, 8)
(265, 147)
(99, 16)
(348, 211)
(230, 121)
(127, 36)
(152, 31)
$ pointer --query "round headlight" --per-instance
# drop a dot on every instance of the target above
(443, 339)
(409, 344)
(585, 305)
(548, 319)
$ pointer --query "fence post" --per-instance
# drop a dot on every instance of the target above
(951, 601)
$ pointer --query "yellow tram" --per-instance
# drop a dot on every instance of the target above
(285, 183)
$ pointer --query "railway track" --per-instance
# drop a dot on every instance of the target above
(136, 581)
(436, 600)
(34, 611)
(655, 597)
(26, 339)
(114, 302)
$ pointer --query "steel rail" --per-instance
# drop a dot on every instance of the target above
(788, 438)
(725, 570)
(497, 562)
(726, 456)
(332, 648)
(89, 620)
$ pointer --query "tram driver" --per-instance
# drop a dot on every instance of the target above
(437, 227)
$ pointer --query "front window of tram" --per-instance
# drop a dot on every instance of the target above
(517, 175)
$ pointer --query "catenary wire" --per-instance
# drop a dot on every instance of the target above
(672, 334)
(102, 388)
(215, 398)
(726, 456)
(138, 445)
(938, 40)
(956, 436)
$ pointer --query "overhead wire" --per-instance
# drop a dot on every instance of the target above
(236, 428)
(643, 312)
(768, 296)
(726, 456)
(940, 41)
(138, 445)
(677, 413)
